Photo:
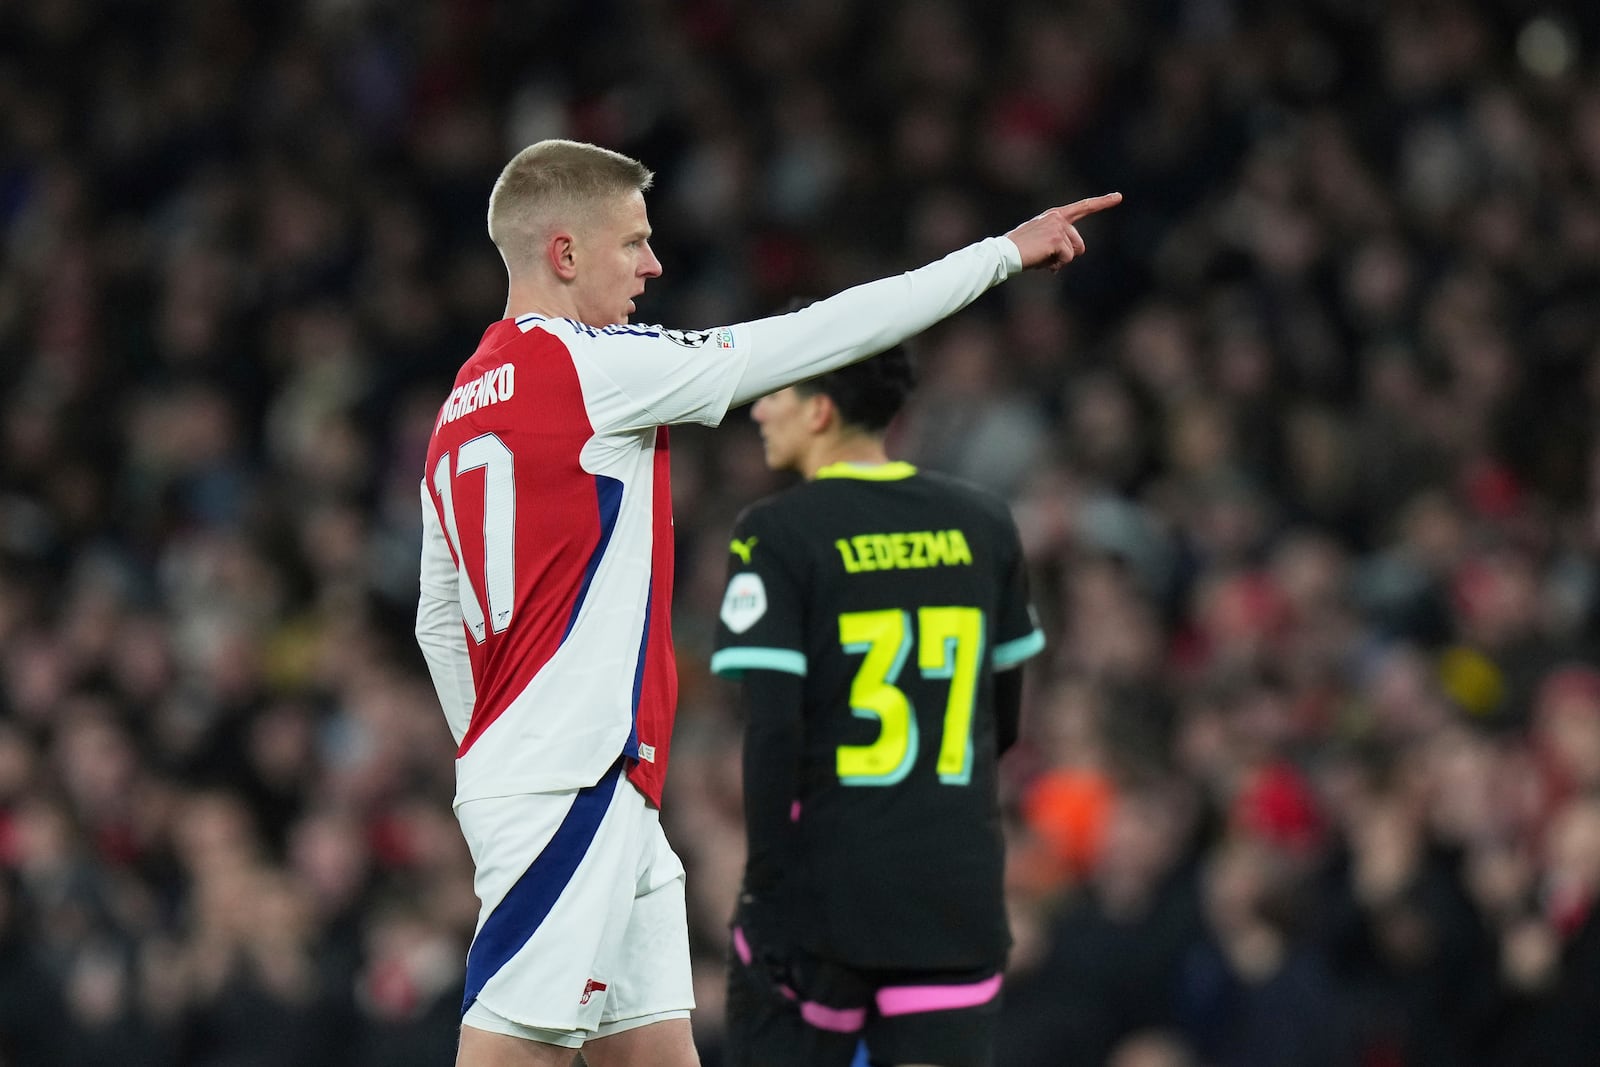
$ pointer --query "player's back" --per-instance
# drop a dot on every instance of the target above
(908, 585)
(561, 540)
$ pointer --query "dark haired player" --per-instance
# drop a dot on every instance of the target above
(875, 615)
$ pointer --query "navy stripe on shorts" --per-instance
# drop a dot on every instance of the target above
(528, 903)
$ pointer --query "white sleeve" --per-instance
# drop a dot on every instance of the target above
(440, 632)
(637, 376)
(866, 319)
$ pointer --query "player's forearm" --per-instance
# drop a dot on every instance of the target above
(1007, 708)
(867, 319)
(444, 648)
(773, 741)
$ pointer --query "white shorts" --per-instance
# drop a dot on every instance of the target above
(582, 930)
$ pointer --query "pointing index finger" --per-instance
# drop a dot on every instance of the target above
(1081, 208)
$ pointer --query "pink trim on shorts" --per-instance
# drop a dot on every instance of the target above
(910, 999)
(837, 1020)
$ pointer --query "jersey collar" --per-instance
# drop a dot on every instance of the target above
(892, 471)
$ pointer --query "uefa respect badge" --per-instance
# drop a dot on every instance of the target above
(745, 602)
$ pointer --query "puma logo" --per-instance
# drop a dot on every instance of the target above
(742, 549)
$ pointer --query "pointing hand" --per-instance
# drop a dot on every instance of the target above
(1051, 239)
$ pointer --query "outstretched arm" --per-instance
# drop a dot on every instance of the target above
(865, 320)
(640, 377)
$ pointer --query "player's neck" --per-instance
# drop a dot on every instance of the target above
(860, 449)
(528, 298)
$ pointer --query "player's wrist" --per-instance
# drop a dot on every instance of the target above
(1010, 254)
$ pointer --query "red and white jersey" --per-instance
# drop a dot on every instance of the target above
(547, 516)
(547, 558)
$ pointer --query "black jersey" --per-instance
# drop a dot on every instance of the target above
(895, 595)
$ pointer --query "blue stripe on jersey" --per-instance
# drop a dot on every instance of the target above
(529, 901)
(631, 749)
(608, 492)
(1012, 653)
(733, 662)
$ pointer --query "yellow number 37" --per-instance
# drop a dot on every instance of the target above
(949, 646)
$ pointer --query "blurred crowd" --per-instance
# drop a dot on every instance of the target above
(1305, 453)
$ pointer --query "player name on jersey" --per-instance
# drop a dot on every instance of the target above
(907, 550)
(490, 387)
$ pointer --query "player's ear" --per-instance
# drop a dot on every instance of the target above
(562, 254)
(821, 412)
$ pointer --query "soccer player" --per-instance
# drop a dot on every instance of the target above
(546, 590)
(876, 615)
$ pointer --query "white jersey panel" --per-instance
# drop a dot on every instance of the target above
(640, 377)
(565, 729)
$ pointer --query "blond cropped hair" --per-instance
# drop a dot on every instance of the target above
(555, 183)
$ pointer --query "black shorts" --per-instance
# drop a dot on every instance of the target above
(816, 1013)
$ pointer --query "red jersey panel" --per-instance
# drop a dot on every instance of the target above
(554, 534)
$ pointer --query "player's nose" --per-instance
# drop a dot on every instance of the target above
(649, 265)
